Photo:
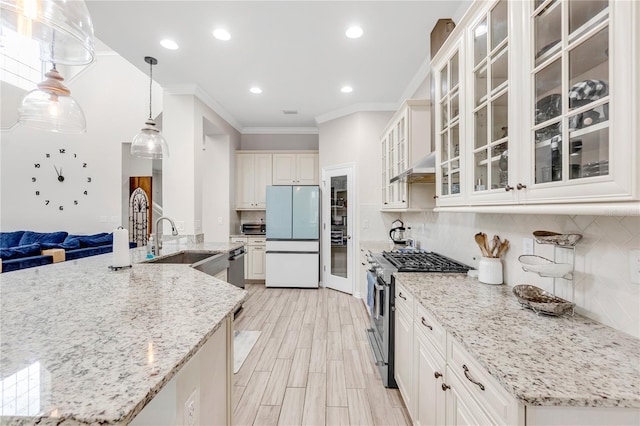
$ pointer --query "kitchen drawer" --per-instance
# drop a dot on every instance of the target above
(254, 241)
(404, 299)
(486, 390)
(239, 240)
(432, 330)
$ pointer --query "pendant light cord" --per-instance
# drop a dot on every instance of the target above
(150, 81)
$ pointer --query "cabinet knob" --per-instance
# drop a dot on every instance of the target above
(437, 374)
(521, 186)
(508, 188)
(445, 387)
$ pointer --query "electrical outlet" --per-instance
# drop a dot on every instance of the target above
(365, 224)
(180, 225)
(191, 409)
(219, 220)
(527, 246)
(634, 266)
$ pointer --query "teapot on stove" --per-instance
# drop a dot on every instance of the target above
(397, 233)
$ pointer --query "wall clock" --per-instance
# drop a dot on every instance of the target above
(60, 179)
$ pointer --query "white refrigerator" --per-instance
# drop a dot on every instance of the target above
(293, 236)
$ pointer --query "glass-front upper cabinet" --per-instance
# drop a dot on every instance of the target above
(571, 85)
(448, 131)
(490, 113)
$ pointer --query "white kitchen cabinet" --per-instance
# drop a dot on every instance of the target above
(295, 168)
(256, 258)
(403, 348)
(253, 174)
(438, 380)
(404, 141)
(430, 369)
(461, 408)
(548, 103)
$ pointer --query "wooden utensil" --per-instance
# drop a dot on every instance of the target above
(486, 244)
(503, 247)
(481, 240)
(496, 246)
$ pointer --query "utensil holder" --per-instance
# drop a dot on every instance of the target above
(490, 270)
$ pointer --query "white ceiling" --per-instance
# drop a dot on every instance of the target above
(296, 51)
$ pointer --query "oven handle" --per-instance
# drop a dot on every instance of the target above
(379, 288)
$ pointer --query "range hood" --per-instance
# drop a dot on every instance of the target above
(423, 171)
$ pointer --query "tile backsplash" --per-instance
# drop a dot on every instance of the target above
(603, 287)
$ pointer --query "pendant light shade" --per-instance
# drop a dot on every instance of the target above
(62, 27)
(150, 143)
(50, 107)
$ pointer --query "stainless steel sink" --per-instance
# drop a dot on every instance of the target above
(185, 257)
(211, 264)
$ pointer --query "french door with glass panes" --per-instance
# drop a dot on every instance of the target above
(338, 201)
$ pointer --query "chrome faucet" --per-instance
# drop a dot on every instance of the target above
(158, 241)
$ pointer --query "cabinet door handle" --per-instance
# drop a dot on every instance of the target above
(437, 374)
(508, 188)
(435, 197)
(362, 263)
(445, 387)
(401, 296)
(468, 376)
(521, 186)
(424, 322)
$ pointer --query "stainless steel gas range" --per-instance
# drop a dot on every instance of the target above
(383, 268)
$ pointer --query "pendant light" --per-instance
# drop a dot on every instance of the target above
(51, 107)
(68, 22)
(149, 143)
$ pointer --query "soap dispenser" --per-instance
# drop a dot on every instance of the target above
(150, 247)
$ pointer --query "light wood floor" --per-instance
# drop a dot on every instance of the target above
(312, 364)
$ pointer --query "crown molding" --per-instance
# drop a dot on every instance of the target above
(195, 90)
(361, 107)
(416, 81)
(280, 131)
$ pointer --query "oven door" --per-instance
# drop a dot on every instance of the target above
(381, 332)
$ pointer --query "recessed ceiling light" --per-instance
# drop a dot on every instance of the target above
(169, 44)
(221, 34)
(354, 32)
(255, 90)
(347, 89)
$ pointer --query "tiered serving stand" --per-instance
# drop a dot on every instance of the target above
(537, 299)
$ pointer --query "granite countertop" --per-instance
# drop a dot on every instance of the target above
(540, 360)
(82, 344)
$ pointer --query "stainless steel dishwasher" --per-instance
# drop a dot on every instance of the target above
(236, 267)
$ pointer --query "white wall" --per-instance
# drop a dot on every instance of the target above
(183, 172)
(113, 117)
(216, 197)
(279, 142)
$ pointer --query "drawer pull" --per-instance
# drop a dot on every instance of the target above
(468, 376)
(437, 374)
(401, 296)
(424, 322)
(445, 387)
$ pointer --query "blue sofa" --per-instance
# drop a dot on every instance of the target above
(22, 249)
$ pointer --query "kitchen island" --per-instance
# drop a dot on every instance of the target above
(83, 344)
(556, 370)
